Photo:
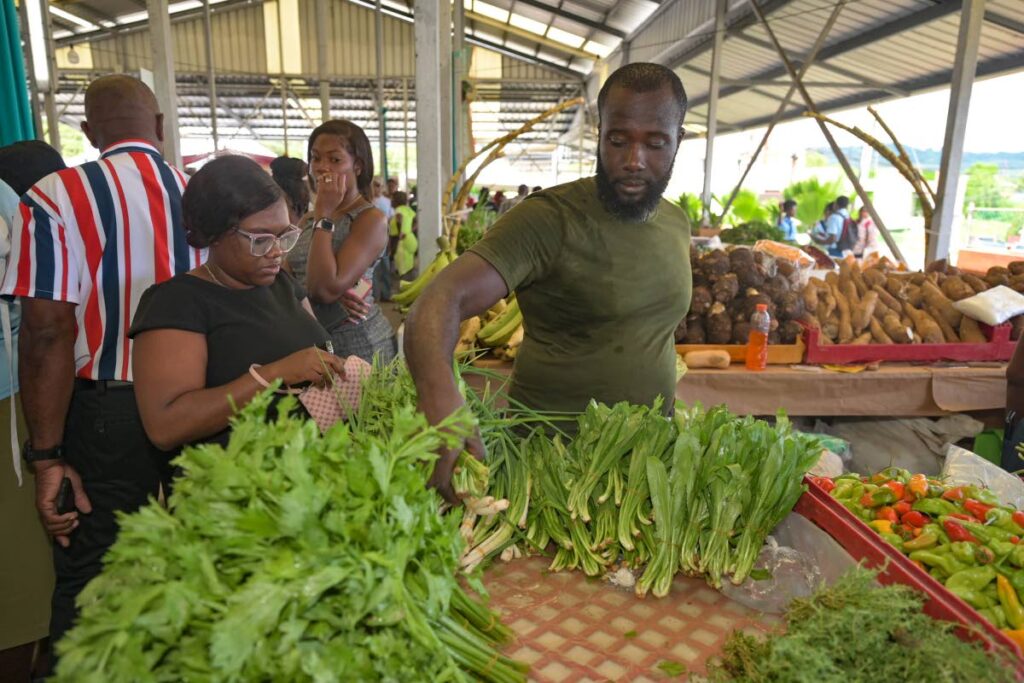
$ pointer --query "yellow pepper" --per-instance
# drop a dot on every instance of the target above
(918, 485)
(882, 526)
(1010, 602)
(1016, 635)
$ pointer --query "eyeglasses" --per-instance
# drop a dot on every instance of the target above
(261, 244)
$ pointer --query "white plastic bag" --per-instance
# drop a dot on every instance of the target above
(968, 469)
(992, 307)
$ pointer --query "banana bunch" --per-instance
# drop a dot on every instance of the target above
(500, 330)
(408, 291)
(510, 349)
(467, 336)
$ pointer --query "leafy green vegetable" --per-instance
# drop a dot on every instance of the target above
(671, 669)
(760, 574)
(751, 232)
(858, 631)
(291, 556)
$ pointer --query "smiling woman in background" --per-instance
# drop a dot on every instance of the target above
(211, 334)
(342, 243)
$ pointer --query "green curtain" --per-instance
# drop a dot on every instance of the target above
(15, 114)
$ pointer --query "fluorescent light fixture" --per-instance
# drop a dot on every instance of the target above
(132, 17)
(37, 40)
(73, 18)
(176, 7)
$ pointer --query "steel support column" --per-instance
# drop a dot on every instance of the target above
(382, 110)
(460, 67)
(30, 69)
(211, 71)
(322, 26)
(162, 50)
(433, 32)
(405, 132)
(836, 150)
(721, 6)
(972, 16)
(804, 68)
(50, 94)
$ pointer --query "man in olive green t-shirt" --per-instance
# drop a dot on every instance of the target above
(600, 267)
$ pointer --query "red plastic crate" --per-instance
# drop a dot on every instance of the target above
(998, 348)
(864, 544)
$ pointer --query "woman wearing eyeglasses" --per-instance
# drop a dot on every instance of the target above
(342, 243)
(205, 339)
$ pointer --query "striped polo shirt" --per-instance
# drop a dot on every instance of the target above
(98, 235)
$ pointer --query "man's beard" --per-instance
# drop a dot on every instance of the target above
(636, 211)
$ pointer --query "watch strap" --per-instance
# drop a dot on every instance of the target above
(325, 224)
(35, 455)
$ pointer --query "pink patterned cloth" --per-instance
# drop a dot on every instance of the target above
(339, 398)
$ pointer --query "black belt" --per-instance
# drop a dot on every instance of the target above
(100, 385)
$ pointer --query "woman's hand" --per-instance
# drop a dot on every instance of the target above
(355, 305)
(307, 365)
(330, 193)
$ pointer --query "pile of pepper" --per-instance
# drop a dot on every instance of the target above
(962, 535)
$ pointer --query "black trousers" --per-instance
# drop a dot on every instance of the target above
(105, 442)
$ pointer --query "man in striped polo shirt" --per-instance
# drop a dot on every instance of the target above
(86, 243)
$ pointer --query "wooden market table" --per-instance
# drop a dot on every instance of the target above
(893, 390)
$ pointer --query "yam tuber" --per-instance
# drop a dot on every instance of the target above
(896, 329)
(886, 298)
(997, 275)
(847, 287)
(948, 333)
(700, 300)
(1016, 268)
(934, 297)
(811, 297)
(845, 322)
(726, 288)
(790, 306)
(956, 289)
(719, 325)
(862, 339)
(924, 325)
(790, 331)
(740, 332)
(914, 295)
(895, 287)
(695, 333)
(714, 264)
(864, 312)
(970, 331)
(873, 278)
(680, 334)
(878, 333)
(975, 282)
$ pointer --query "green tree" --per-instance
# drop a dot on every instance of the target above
(985, 189)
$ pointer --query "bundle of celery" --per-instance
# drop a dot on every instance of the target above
(290, 556)
(697, 494)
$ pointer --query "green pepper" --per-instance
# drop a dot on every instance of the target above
(1016, 579)
(1002, 549)
(1001, 518)
(969, 585)
(964, 552)
(1017, 556)
(983, 533)
(940, 560)
(984, 495)
(843, 489)
(994, 616)
(935, 507)
(894, 540)
(926, 540)
(937, 530)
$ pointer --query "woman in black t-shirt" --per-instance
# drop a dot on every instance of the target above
(201, 336)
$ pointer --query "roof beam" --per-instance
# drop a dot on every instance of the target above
(871, 35)
(516, 54)
(531, 36)
(559, 12)
(1009, 23)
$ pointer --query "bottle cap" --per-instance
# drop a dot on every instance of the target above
(762, 308)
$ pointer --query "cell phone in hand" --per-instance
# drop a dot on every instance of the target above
(363, 288)
(65, 498)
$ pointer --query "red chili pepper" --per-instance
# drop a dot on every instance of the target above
(966, 518)
(977, 509)
(867, 501)
(1018, 518)
(915, 519)
(896, 487)
(957, 533)
(909, 496)
(956, 493)
(825, 483)
(886, 512)
(1015, 539)
(902, 507)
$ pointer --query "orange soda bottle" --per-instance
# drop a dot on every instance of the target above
(757, 342)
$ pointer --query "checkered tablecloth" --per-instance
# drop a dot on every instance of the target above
(573, 628)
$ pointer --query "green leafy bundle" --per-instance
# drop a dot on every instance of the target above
(751, 232)
(290, 556)
(697, 494)
(858, 632)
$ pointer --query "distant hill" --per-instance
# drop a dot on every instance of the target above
(929, 159)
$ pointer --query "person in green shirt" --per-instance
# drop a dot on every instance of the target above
(403, 244)
(600, 268)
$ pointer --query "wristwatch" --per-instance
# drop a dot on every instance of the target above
(34, 455)
(325, 224)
